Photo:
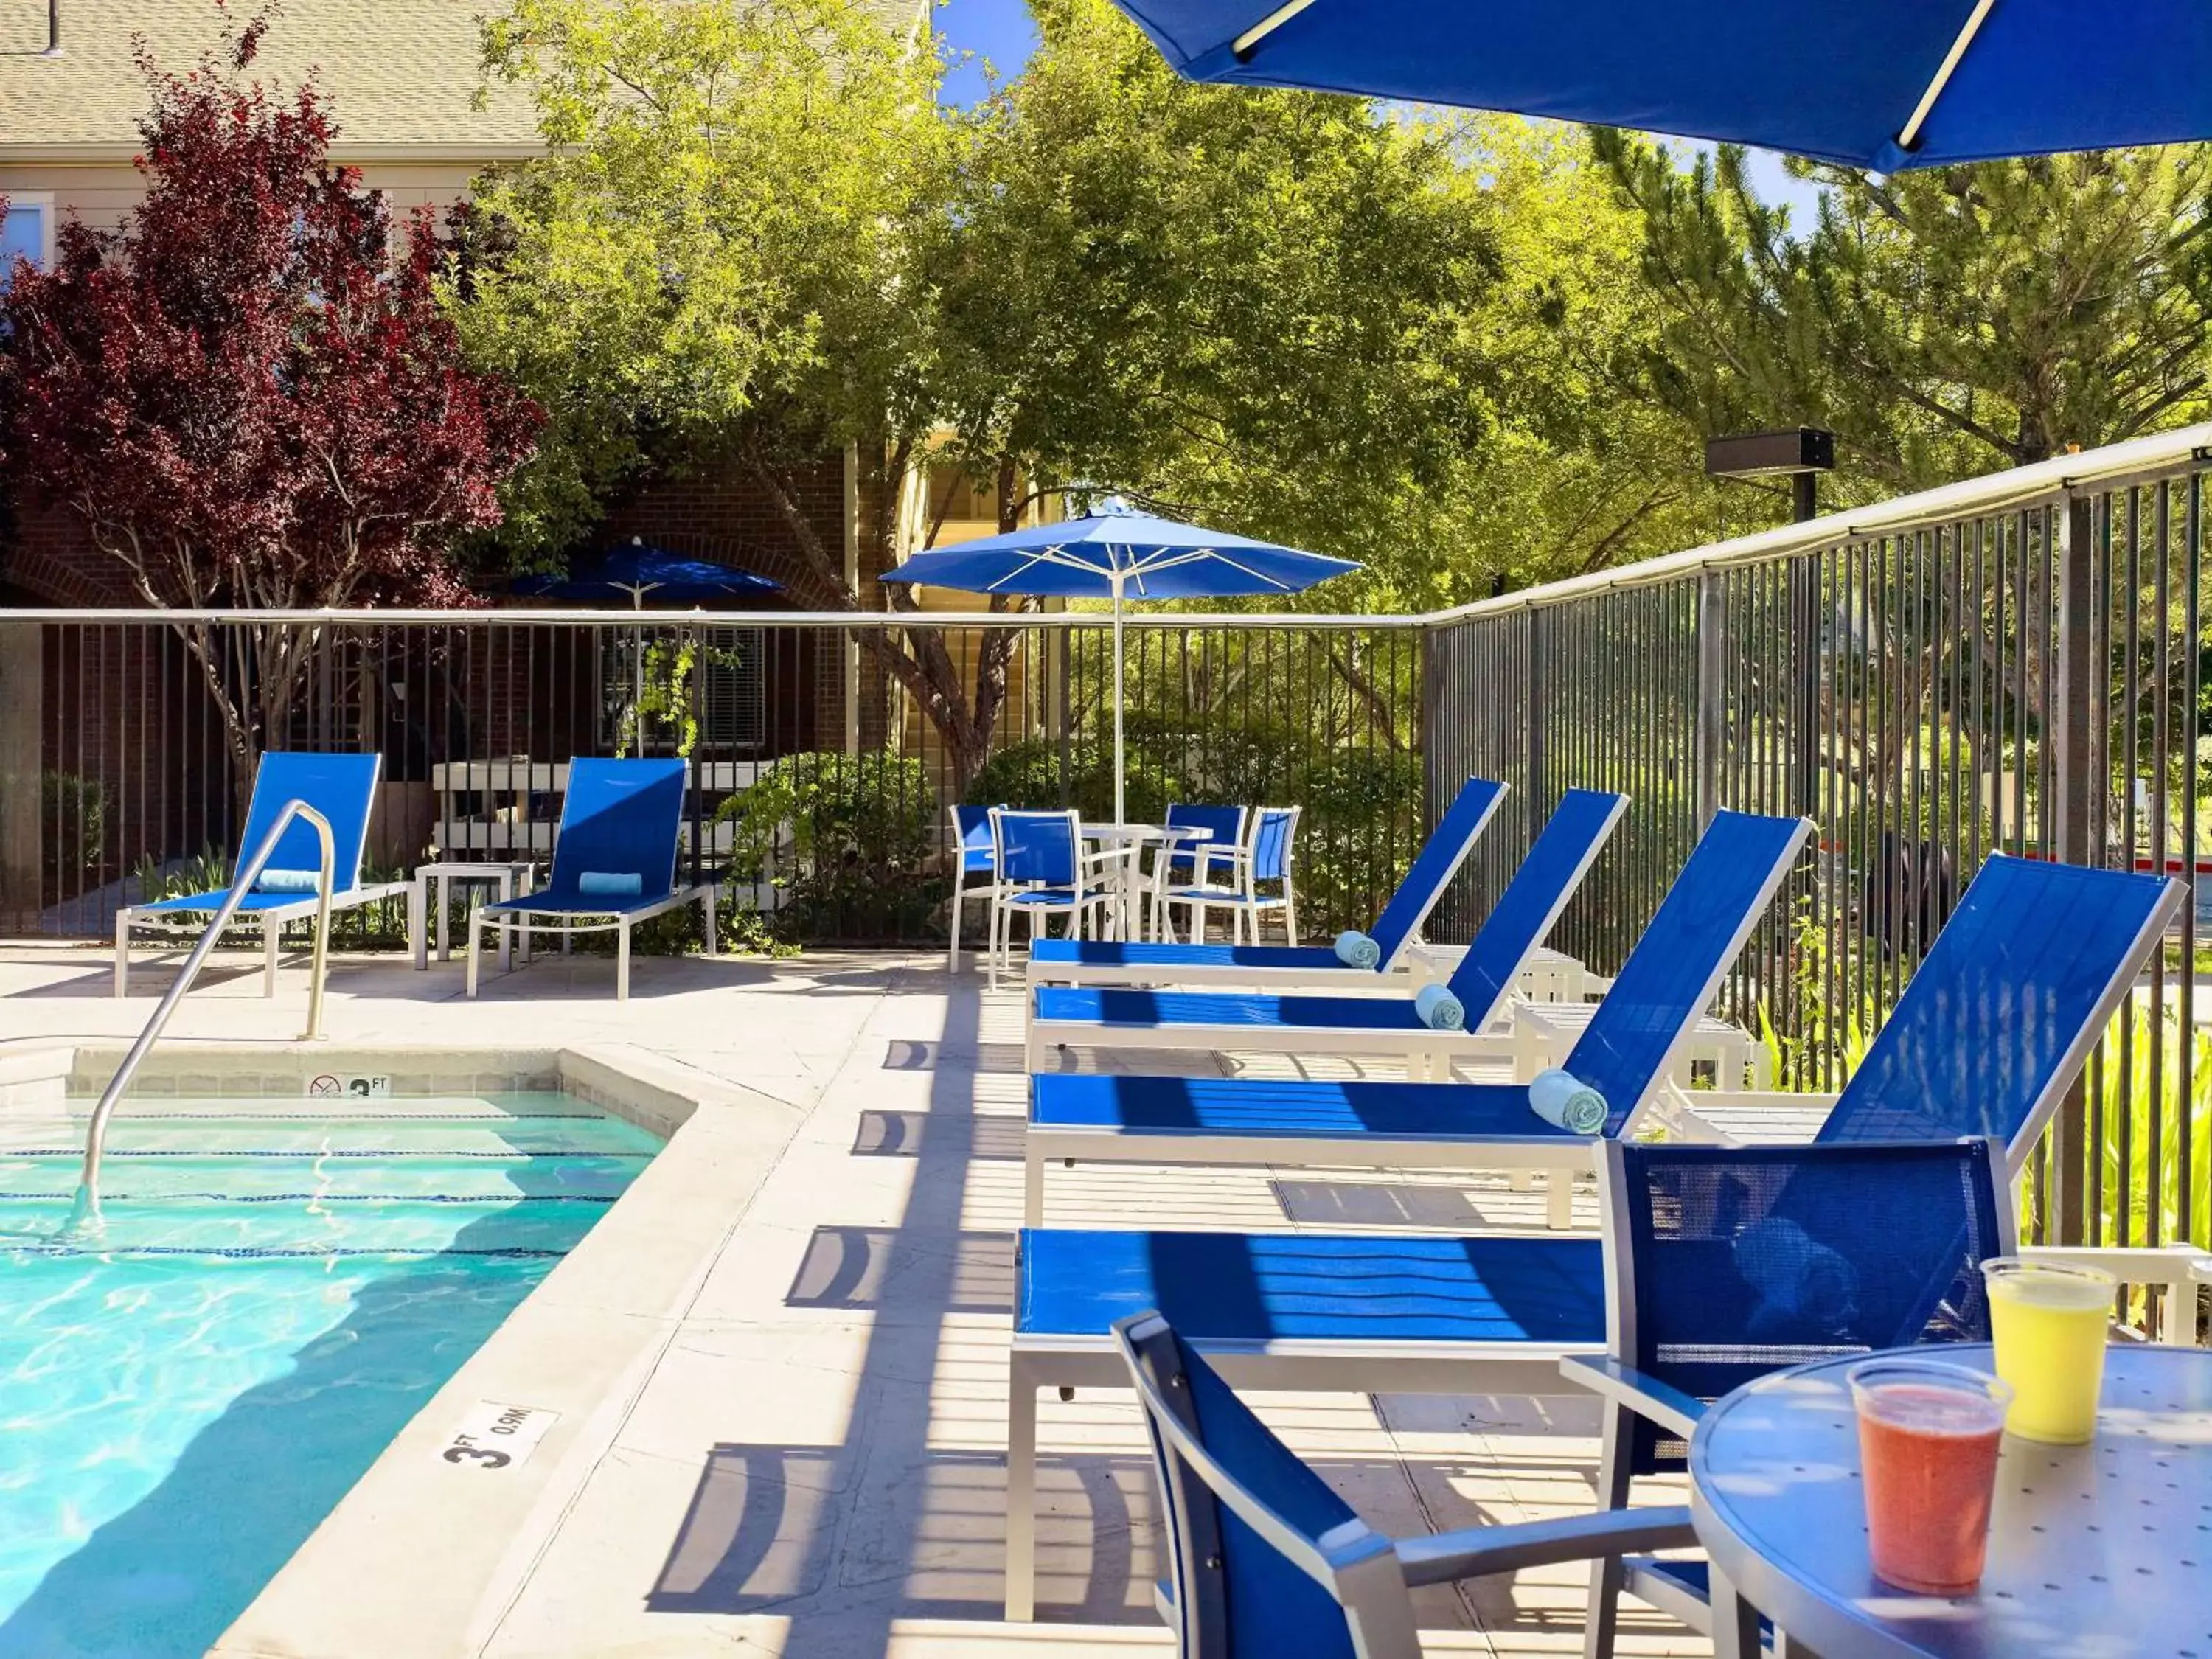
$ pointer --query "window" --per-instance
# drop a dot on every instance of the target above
(958, 494)
(28, 232)
(728, 692)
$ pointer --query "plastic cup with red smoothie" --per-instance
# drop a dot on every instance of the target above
(1929, 1436)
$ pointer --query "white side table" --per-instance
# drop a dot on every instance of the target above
(1544, 1033)
(1547, 976)
(508, 877)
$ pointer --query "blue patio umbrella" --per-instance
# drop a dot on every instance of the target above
(1885, 84)
(1119, 556)
(636, 569)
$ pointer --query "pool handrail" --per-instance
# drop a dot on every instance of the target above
(84, 1211)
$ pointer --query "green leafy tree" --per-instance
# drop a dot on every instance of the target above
(1580, 471)
(1247, 307)
(1943, 322)
(710, 269)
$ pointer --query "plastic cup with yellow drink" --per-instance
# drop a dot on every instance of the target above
(2050, 1322)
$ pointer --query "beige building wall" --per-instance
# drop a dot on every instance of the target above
(103, 194)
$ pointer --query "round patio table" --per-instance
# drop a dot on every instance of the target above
(1134, 837)
(2095, 1551)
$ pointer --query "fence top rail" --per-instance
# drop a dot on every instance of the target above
(2091, 471)
(2140, 460)
(626, 620)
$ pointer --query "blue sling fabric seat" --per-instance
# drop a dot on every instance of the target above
(1138, 962)
(343, 789)
(2001, 1015)
(1254, 1289)
(1319, 1023)
(1266, 1561)
(1667, 982)
(614, 861)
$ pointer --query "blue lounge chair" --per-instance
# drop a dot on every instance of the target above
(343, 788)
(1264, 1559)
(1995, 1024)
(614, 862)
(1723, 1265)
(1436, 1313)
(1112, 962)
(1322, 1024)
(1668, 981)
(1991, 1030)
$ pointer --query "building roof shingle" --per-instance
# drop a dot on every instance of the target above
(402, 76)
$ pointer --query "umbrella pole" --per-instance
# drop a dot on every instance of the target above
(1121, 804)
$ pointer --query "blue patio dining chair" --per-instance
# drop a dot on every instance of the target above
(1042, 872)
(1266, 1561)
(1255, 880)
(1185, 862)
(972, 861)
(1725, 1263)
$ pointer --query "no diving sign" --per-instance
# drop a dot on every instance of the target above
(495, 1437)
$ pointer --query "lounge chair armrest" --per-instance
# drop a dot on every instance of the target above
(1646, 1396)
(1479, 1551)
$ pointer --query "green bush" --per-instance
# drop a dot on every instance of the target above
(73, 809)
(849, 839)
(1362, 825)
(1028, 776)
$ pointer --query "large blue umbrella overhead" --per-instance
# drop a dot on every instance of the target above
(1120, 556)
(1885, 84)
(635, 570)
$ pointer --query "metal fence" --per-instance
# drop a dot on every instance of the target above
(819, 780)
(2017, 662)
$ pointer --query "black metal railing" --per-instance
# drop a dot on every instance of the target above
(819, 780)
(2015, 664)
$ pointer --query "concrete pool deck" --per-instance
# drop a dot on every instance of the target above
(799, 1357)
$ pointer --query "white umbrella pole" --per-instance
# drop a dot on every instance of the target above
(1121, 804)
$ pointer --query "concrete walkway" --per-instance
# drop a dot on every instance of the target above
(812, 1469)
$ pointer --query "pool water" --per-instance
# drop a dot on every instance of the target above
(278, 1290)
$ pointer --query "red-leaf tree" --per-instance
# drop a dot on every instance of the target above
(247, 392)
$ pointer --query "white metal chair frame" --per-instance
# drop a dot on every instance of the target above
(1008, 896)
(1241, 897)
(988, 891)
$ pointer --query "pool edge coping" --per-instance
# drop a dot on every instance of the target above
(463, 1541)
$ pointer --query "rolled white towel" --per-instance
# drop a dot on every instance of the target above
(1355, 950)
(1566, 1102)
(273, 880)
(1439, 1009)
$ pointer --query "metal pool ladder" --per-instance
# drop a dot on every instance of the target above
(84, 1213)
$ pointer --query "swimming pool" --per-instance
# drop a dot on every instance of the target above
(278, 1290)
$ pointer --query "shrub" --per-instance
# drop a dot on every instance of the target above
(1028, 776)
(849, 839)
(73, 809)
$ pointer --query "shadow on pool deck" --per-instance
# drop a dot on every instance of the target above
(169, 1574)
